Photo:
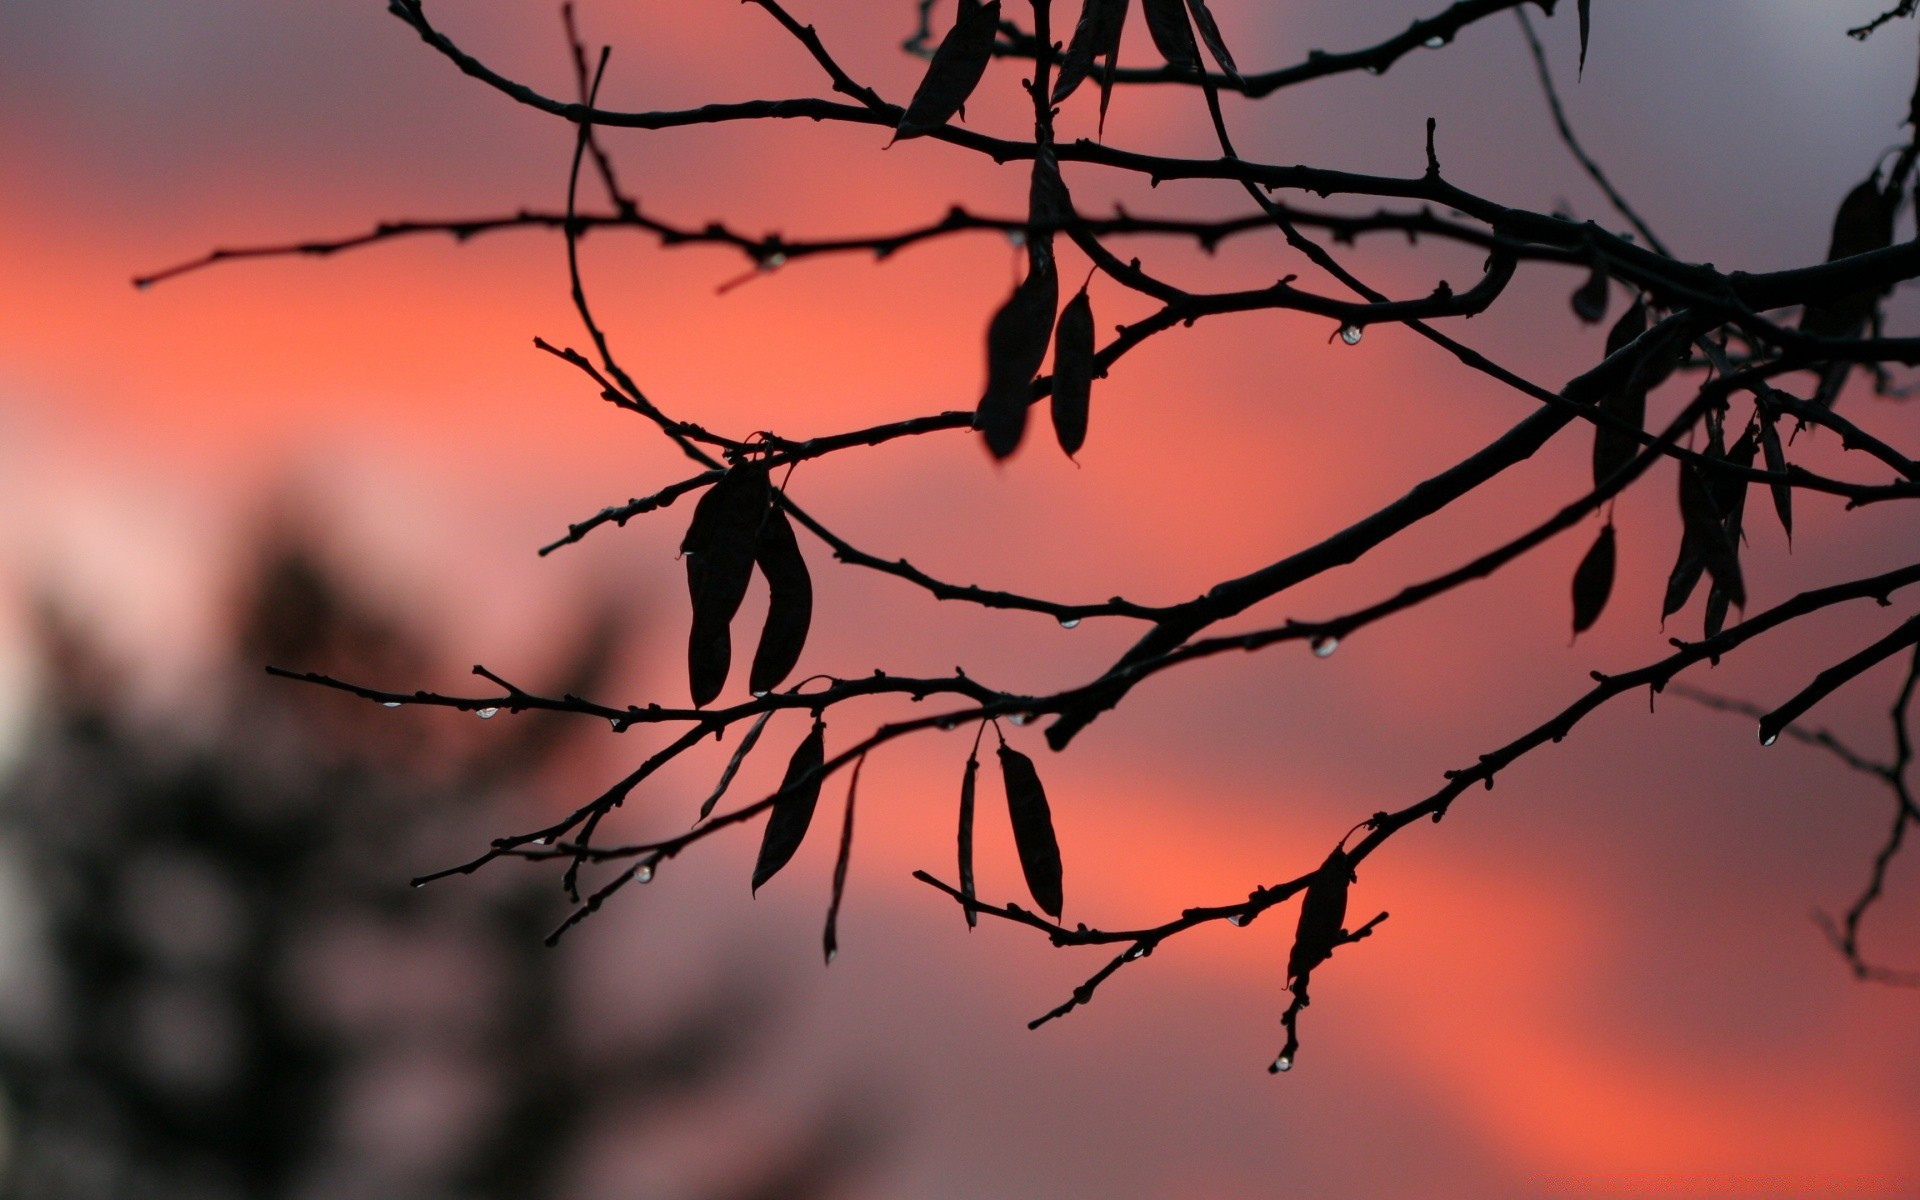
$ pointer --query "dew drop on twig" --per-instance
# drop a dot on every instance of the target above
(1325, 645)
(643, 873)
(389, 704)
(1069, 622)
(1238, 919)
(1280, 1065)
(1351, 334)
(486, 714)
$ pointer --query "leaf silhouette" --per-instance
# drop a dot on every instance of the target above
(1016, 344)
(1863, 223)
(1614, 448)
(1590, 298)
(1049, 206)
(954, 72)
(1704, 544)
(1593, 581)
(789, 603)
(1095, 35)
(1172, 33)
(1730, 497)
(1584, 10)
(1073, 372)
(830, 939)
(1210, 34)
(1776, 459)
(968, 781)
(733, 764)
(718, 550)
(1323, 916)
(793, 805)
(1032, 829)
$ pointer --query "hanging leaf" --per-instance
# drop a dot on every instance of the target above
(1210, 34)
(1730, 496)
(1776, 459)
(967, 787)
(954, 72)
(1863, 224)
(718, 550)
(1095, 35)
(830, 940)
(1590, 298)
(1584, 10)
(1032, 829)
(1073, 372)
(1704, 525)
(789, 603)
(1323, 916)
(1593, 582)
(1172, 33)
(792, 806)
(733, 764)
(1614, 448)
(1016, 345)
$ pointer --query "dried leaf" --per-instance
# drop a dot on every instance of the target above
(1593, 582)
(789, 603)
(1032, 829)
(954, 72)
(733, 764)
(718, 550)
(1730, 496)
(1776, 459)
(1614, 448)
(1704, 524)
(967, 788)
(792, 806)
(1095, 35)
(1590, 298)
(1016, 344)
(1583, 9)
(1073, 372)
(1172, 33)
(1323, 916)
(1864, 223)
(830, 939)
(1210, 34)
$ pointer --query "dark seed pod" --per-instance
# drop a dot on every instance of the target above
(954, 72)
(1584, 10)
(792, 806)
(1049, 206)
(1210, 34)
(1016, 345)
(719, 550)
(1323, 916)
(1032, 829)
(1776, 459)
(1095, 35)
(1864, 223)
(1590, 298)
(1704, 524)
(968, 780)
(1073, 372)
(1593, 582)
(1626, 399)
(789, 603)
(1172, 33)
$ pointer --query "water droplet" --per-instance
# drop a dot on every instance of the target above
(1021, 718)
(1238, 919)
(419, 883)
(1137, 952)
(543, 841)
(1325, 645)
(1018, 237)
(948, 725)
(1375, 70)
(1069, 622)
(1434, 42)
(761, 694)
(833, 954)
(1281, 1064)
(773, 262)
(1768, 739)
(643, 873)
(486, 714)
(389, 704)
(1351, 334)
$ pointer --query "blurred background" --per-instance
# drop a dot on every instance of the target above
(213, 978)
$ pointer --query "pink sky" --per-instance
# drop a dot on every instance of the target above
(1605, 965)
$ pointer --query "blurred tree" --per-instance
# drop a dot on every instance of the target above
(233, 993)
(1697, 379)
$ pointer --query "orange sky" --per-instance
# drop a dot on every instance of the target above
(1605, 965)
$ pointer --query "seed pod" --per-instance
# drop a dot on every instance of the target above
(1730, 496)
(1049, 206)
(1776, 459)
(830, 938)
(733, 764)
(1590, 298)
(789, 603)
(967, 788)
(1323, 915)
(1172, 33)
(1073, 372)
(1096, 35)
(1584, 9)
(1016, 344)
(1210, 34)
(1032, 829)
(954, 72)
(792, 805)
(1704, 525)
(1593, 582)
(718, 550)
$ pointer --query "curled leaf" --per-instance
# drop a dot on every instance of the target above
(968, 780)
(1593, 581)
(1625, 399)
(1016, 344)
(1032, 829)
(1323, 916)
(789, 603)
(793, 805)
(1095, 35)
(1776, 459)
(954, 72)
(830, 939)
(1590, 298)
(1172, 33)
(1864, 223)
(719, 550)
(740, 753)
(1073, 372)
(1049, 205)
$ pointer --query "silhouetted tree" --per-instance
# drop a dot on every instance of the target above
(232, 982)
(1740, 361)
